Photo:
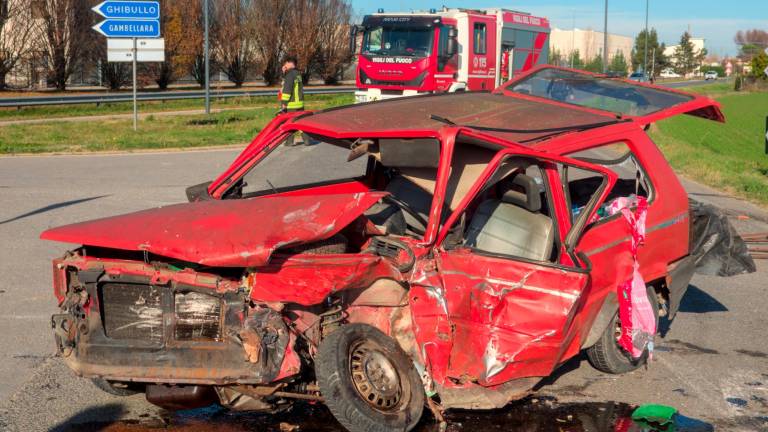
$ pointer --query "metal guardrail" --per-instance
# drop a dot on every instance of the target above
(151, 96)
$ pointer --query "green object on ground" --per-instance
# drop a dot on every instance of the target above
(653, 413)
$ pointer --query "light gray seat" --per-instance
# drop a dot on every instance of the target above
(513, 225)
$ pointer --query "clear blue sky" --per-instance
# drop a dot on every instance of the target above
(715, 20)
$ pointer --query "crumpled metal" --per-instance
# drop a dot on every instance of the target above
(638, 320)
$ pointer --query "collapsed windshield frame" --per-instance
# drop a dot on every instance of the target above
(596, 92)
(409, 30)
(235, 191)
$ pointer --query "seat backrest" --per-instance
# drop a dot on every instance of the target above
(513, 225)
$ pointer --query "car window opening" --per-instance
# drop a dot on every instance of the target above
(511, 216)
(596, 92)
(581, 184)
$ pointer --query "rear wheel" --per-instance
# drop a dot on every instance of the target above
(367, 381)
(607, 356)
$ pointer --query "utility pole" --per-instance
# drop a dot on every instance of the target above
(207, 60)
(605, 40)
(573, 37)
(135, 105)
(645, 55)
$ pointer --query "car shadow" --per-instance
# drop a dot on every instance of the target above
(52, 207)
(93, 418)
(695, 301)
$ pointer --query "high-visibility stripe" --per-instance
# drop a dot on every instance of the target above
(297, 102)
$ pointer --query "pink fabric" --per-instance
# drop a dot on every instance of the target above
(638, 321)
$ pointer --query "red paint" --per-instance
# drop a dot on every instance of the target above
(228, 233)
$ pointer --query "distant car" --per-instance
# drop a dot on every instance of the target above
(417, 258)
(639, 77)
(711, 75)
(669, 73)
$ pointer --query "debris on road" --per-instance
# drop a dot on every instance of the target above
(717, 247)
(757, 244)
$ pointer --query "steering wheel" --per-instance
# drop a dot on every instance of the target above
(413, 213)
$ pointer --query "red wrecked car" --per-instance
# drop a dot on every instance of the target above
(446, 251)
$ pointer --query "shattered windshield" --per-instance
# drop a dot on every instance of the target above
(300, 160)
(398, 41)
(596, 92)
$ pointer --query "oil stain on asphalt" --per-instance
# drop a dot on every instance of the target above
(528, 415)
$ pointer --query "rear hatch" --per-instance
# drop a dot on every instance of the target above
(643, 103)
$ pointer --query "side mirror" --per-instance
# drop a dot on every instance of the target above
(199, 192)
(353, 30)
(452, 46)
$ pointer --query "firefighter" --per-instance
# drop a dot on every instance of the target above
(292, 93)
(292, 97)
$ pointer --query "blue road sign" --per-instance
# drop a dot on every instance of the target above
(128, 9)
(135, 28)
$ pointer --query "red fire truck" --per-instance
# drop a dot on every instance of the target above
(404, 54)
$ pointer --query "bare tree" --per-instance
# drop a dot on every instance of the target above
(751, 43)
(233, 38)
(182, 31)
(64, 26)
(15, 35)
(271, 19)
(333, 54)
(302, 32)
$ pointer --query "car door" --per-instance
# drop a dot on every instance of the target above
(486, 317)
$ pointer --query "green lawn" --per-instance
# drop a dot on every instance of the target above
(54, 111)
(728, 156)
(155, 132)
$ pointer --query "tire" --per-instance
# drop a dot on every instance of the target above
(114, 388)
(607, 356)
(358, 359)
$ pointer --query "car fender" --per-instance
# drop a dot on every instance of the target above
(602, 319)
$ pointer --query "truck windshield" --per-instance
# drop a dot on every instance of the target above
(398, 41)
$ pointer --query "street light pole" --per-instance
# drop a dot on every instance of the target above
(645, 55)
(207, 60)
(605, 39)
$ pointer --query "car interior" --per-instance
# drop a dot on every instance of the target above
(618, 158)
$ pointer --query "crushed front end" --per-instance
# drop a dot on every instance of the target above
(143, 321)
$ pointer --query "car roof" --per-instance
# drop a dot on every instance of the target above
(515, 119)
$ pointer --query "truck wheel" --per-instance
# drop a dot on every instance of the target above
(607, 356)
(367, 381)
(114, 388)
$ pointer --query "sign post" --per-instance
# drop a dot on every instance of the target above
(131, 20)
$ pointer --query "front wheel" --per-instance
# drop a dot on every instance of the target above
(367, 381)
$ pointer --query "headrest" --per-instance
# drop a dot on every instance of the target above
(523, 191)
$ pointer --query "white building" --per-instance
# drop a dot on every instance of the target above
(698, 45)
(589, 43)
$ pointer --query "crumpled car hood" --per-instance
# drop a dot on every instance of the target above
(222, 233)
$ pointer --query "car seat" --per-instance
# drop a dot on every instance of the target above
(514, 224)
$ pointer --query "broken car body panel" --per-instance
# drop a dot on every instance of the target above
(232, 233)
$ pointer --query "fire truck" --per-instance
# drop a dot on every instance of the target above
(404, 54)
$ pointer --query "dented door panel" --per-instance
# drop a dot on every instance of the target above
(514, 315)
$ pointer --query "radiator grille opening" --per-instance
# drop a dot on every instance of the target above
(198, 316)
(132, 311)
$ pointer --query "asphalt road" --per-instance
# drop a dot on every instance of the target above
(712, 364)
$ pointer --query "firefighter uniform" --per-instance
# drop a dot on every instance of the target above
(292, 93)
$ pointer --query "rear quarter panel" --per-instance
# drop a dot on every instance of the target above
(607, 242)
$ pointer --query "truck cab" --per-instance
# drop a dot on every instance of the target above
(405, 54)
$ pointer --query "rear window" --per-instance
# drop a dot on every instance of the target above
(596, 92)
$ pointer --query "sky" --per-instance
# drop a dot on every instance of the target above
(715, 20)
